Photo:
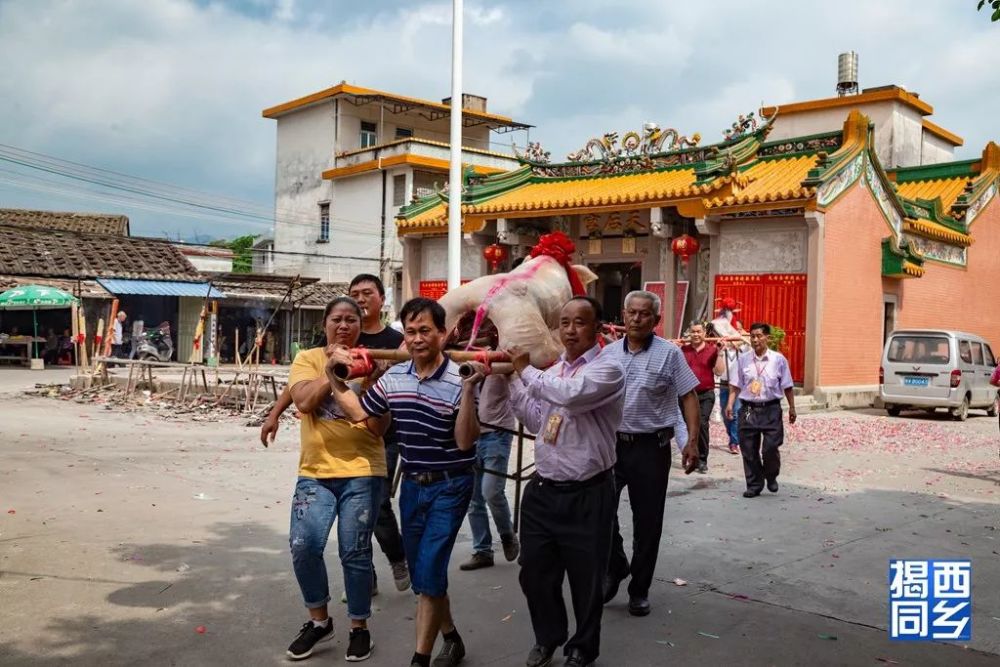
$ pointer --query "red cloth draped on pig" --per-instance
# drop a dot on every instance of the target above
(524, 304)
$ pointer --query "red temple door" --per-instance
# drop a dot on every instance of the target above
(779, 300)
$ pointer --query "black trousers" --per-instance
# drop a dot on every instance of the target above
(566, 532)
(643, 467)
(386, 528)
(761, 428)
(706, 400)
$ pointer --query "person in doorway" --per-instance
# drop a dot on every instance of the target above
(575, 408)
(435, 414)
(701, 357)
(369, 293)
(729, 353)
(656, 374)
(50, 353)
(760, 378)
(118, 336)
(341, 474)
(497, 423)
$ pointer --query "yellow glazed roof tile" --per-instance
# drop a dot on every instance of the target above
(948, 189)
(592, 192)
(768, 181)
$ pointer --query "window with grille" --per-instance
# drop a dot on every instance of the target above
(369, 134)
(324, 222)
(399, 190)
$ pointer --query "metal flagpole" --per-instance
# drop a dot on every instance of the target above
(455, 168)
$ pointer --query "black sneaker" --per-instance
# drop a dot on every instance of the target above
(360, 646)
(309, 636)
(451, 653)
(772, 485)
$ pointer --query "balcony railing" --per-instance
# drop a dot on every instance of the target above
(425, 148)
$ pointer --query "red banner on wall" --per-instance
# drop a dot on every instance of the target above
(778, 299)
(659, 288)
(434, 289)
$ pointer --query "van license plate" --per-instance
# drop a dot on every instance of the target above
(916, 381)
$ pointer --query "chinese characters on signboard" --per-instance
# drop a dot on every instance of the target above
(930, 600)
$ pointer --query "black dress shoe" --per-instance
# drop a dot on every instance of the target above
(540, 656)
(611, 584)
(750, 494)
(772, 485)
(575, 659)
(638, 606)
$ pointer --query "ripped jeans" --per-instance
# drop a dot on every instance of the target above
(316, 504)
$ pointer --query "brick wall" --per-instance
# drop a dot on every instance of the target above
(852, 291)
(960, 298)
(945, 297)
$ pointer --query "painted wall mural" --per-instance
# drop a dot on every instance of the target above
(936, 250)
(977, 206)
(884, 199)
(832, 188)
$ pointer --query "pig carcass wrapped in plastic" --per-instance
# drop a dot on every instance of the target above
(523, 304)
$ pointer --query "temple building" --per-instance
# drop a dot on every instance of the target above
(837, 220)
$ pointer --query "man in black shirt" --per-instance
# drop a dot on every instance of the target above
(369, 292)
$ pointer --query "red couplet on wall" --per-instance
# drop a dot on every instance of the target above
(776, 298)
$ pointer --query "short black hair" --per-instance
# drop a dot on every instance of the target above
(367, 278)
(764, 327)
(420, 304)
(594, 304)
(339, 300)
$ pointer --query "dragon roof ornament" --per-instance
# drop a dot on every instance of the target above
(653, 140)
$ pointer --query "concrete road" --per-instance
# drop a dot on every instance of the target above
(122, 533)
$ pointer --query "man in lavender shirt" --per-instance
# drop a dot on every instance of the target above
(760, 378)
(568, 509)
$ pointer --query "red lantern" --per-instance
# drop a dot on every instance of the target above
(685, 246)
(495, 254)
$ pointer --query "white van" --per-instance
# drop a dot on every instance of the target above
(929, 369)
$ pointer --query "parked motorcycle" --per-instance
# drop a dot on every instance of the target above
(155, 344)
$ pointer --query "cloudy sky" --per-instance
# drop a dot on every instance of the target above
(171, 90)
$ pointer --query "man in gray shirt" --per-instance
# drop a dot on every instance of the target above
(656, 374)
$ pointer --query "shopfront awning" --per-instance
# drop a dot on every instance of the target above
(159, 288)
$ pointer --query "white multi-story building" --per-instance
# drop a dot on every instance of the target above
(347, 159)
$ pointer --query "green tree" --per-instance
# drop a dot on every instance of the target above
(777, 339)
(995, 5)
(242, 247)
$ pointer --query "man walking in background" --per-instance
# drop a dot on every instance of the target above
(490, 486)
(760, 378)
(701, 357)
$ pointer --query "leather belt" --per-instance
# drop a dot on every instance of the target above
(758, 405)
(433, 477)
(656, 436)
(569, 485)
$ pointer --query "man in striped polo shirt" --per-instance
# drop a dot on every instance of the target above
(655, 375)
(436, 423)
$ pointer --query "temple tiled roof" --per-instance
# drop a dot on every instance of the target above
(93, 223)
(947, 189)
(769, 180)
(61, 254)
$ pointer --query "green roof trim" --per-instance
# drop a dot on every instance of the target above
(932, 172)
(894, 259)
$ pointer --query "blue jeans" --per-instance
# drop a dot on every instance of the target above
(316, 504)
(492, 453)
(431, 516)
(732, 427)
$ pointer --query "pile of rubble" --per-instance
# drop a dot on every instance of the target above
(114, 397)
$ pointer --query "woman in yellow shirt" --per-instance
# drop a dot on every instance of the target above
(341, 472)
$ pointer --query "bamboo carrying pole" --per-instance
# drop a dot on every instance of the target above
(363, 356)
